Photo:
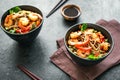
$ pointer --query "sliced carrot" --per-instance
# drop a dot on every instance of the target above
(85, 48)
(38, 22)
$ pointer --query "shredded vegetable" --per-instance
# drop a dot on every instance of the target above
(88, 43)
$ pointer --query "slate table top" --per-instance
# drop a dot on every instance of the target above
(36, 56)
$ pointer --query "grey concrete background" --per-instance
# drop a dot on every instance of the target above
(36, 56)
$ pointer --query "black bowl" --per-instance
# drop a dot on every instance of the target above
(27, 37)
(87, 62)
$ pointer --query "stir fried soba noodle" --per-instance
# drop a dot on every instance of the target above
(88, 43)
(21, 21)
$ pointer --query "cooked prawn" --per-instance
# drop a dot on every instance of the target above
(8, 21)
(22, 26)
(33, 16)
(72, 41)
(81, 53)
(77, 43)
(105, 46)
(75, 34)
(24, 21)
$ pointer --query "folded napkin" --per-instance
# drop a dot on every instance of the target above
(62, 60)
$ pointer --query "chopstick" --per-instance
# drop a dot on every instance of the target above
(30, 74)
(58, 5)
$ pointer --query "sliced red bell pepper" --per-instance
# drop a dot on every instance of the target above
(18, 31)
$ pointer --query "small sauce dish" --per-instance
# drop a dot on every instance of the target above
(71, 12)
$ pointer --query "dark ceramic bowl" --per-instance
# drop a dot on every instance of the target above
(27, 37)
(82, 61)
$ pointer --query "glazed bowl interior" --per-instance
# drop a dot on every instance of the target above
(26, 37)
(83, 61)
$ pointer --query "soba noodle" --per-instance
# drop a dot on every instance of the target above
(90, 43)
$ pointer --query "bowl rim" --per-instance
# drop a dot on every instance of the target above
(70, 52)
(21, 6)
(71, 5)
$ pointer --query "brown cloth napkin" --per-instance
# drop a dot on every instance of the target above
(61, 58)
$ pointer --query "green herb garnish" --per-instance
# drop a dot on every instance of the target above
(92, 57)
(33, 26)
(83, 27)
(14, 10)
(106, 40)
(12, 31)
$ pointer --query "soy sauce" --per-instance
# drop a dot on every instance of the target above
(71, 11)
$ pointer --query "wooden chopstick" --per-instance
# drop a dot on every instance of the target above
(30, 74)
(58, 5)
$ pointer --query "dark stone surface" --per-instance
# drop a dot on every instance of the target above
(36, 56)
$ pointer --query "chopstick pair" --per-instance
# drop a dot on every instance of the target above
(58, 5)
(30, 74)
